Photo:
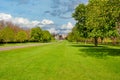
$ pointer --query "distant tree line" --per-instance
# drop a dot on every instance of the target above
(11, 33)
(97, 20)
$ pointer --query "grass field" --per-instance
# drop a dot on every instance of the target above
(61, 61)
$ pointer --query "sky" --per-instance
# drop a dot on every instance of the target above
(52, 15)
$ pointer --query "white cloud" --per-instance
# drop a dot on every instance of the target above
(66, 31)
(35, 23)
(53, 30)
(46, 22)
(23, 22)
(5, 17)
(67, 26)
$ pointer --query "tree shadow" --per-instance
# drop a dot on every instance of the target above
(76, 45)
(1, 44)
(98, 52)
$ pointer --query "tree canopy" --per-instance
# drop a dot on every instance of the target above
(46, 36)
(10, 32)
(97, 19)
(21, 36)
(36, 34)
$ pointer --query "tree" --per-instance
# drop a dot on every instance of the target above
(97, 18)
(114, 17)
(7, 34)
(70, 37)
(28, 34)
(1, 24)
(74, 35)
(80, 16)
(36, 34)
(21, 36)
(46, 36)
(102, 18)
(1, 39)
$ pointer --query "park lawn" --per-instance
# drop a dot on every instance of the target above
(61, 61)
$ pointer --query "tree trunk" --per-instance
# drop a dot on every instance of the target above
(85, 41)
(114, 40)
(102, 40)
(96, 41)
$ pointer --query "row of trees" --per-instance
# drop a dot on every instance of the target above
(97, 19)
(38, 35)
(12, 33)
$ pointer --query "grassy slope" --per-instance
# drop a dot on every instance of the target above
(60, 61)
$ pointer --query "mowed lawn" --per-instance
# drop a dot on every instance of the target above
(61, 61)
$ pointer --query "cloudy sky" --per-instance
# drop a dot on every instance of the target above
(53, 15)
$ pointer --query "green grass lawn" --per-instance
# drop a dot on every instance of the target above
(61, 61)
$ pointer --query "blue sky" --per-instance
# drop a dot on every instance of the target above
(58, 11)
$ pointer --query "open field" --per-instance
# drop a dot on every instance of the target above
(61, 61)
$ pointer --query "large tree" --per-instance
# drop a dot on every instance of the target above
(98, 18)
(102, 18)
(80, 16)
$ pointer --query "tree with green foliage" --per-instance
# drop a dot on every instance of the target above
(7, 34)
(97, 18)
(114, 17)
(1, 36)
(21, 36)
(10, 32)
(102, 18)
(74, 35)
(70, 37)
(36, 34)
(80, 16)
(46, 36)
(96, 22)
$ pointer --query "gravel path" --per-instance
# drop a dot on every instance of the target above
(16, 47)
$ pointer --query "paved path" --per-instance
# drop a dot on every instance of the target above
(23, 46)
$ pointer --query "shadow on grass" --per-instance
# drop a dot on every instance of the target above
(76, 45)
(99, 52)
(1, 44)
